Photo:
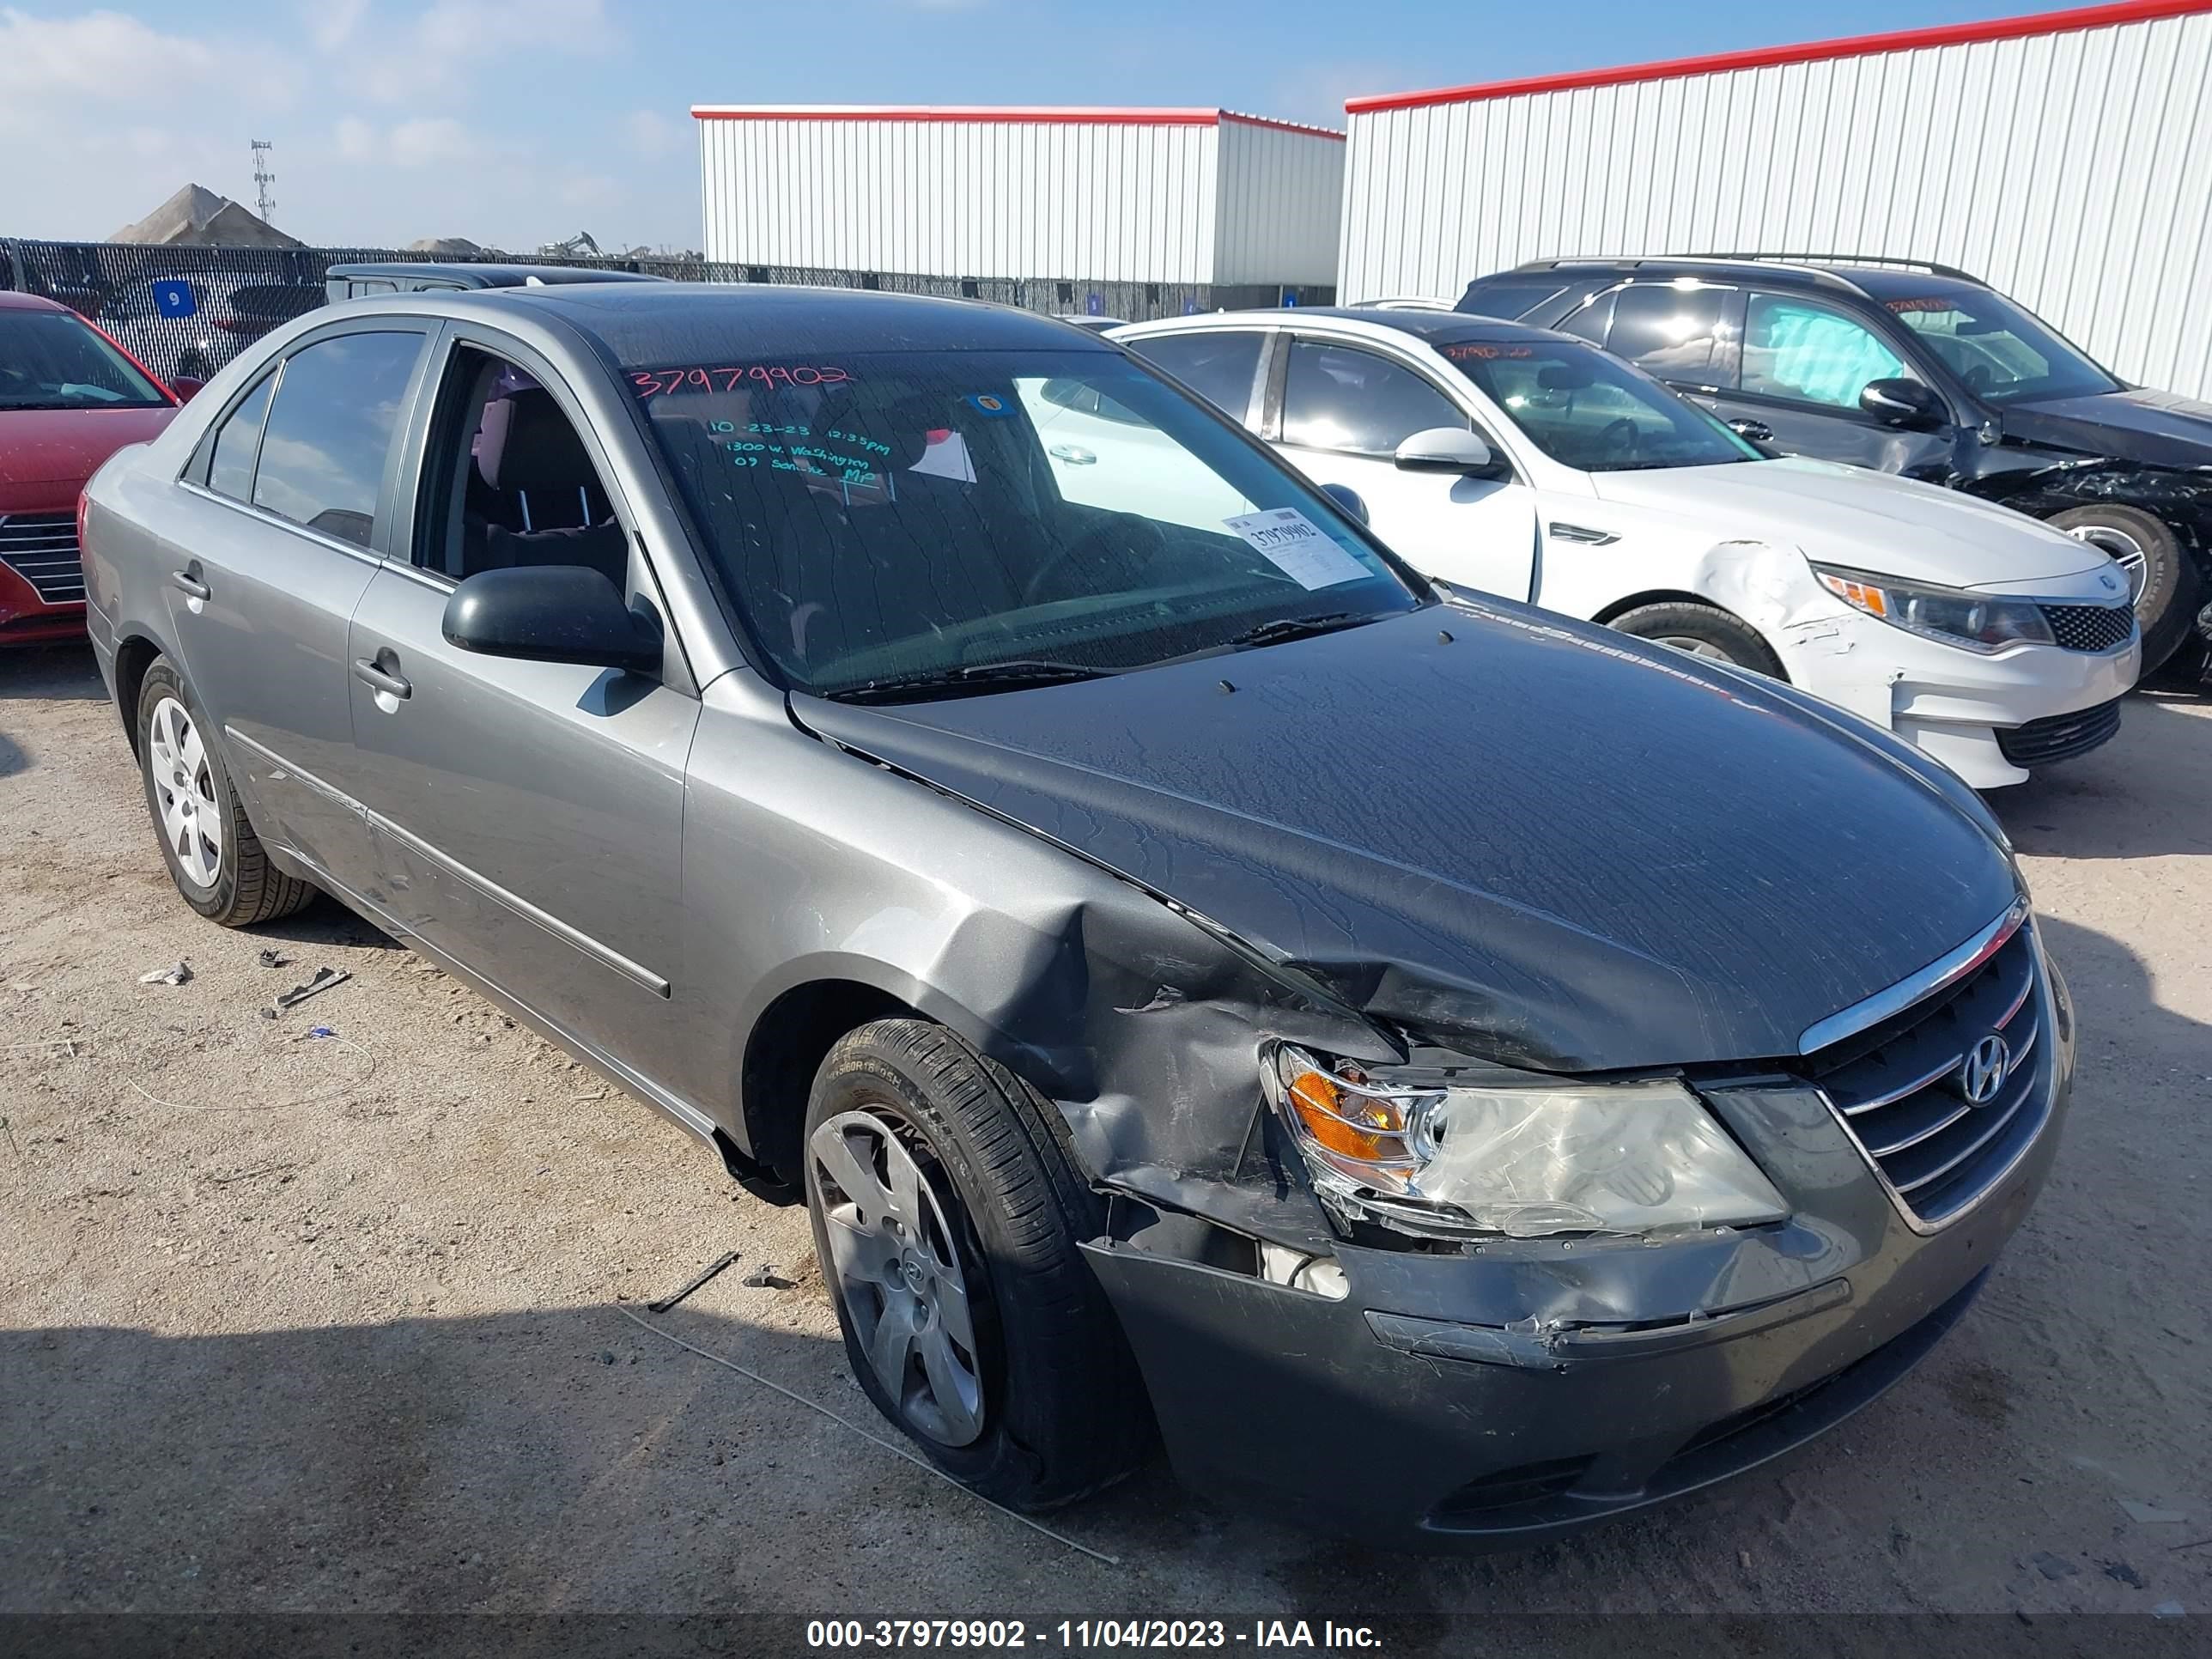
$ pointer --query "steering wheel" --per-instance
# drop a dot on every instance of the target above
(1094, 541)
(1621, 437)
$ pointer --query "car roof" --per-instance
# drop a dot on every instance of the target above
(1435, 327)
(11, 300)
(1869, 274)
(668, 323)
(475, 275)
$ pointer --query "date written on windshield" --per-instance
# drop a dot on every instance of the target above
(731, 377)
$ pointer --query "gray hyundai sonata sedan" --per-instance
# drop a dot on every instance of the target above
(1449, 1071)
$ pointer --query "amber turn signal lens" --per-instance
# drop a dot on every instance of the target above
(1349, 1124)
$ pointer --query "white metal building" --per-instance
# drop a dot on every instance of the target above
(2065, 158)
(1184, 196)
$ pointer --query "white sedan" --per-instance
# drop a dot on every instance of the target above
(1522, 463)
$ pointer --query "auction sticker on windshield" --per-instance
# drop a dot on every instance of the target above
(1298, 546)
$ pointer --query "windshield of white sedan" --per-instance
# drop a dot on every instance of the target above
(2001, 353)
(52, 360)
(909, 525)
(1592, 412)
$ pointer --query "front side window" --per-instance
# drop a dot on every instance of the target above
(1339, 397)
(1590, 410)
(55, 360)
(238, 441)
(911, 524)
(1678, 331)
(329, 432)
(508, 482)
(1812, 353)
(1217, 364)
(2000, 351)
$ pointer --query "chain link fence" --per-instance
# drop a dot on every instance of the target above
(187, 311)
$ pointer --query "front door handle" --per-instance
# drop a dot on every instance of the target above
(381, 679)
(191, 584)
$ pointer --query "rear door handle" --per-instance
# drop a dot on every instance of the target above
(191, 585)
(392, 685)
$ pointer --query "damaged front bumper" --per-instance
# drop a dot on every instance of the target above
(1522, 1389)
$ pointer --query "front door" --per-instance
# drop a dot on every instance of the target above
(1804, 363)
(1346, 410)
(288, 505)
(528, 815)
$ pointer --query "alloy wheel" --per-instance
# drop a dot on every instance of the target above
(2124, 549)
(184, 790)
(1695, 647)
(899, 1273)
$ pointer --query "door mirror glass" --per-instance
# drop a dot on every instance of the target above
(1446, 449)
(1348, 498)
(1904, 403)
(551, 613)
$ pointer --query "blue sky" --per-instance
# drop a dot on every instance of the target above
(515, 122)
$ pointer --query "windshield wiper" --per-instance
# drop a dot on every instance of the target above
(1298, 628)
(970, 676)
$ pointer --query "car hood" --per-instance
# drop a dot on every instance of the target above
(2153, 428)
(65, 447)
(1546, 843)
(1848, 515)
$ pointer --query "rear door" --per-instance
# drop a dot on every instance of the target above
(1344, 409)
(282, 512)
(528, 816)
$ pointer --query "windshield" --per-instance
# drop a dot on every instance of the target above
(52, 360)
(1592, 412)
(928, 523)
(2001, 353)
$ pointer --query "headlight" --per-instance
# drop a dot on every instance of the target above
(1976, 620)
(1523, 1161)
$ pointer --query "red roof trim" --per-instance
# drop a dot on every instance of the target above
(1031, 115)
(1954, 35)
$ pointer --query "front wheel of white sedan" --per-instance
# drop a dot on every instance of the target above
(213, 854)
(1703, 630)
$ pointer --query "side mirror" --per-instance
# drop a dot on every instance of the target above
(1905, 403)
(1348, 498)
(1757, 432)
(187, 387)
(551, 613)
(1451, 449)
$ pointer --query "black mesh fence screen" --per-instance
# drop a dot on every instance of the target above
(187, 311)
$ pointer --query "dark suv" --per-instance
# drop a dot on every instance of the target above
(1916, 368)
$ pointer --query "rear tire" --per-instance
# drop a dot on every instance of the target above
(213, 854)
(971, 1320)
(1703, 630)
(2172, 588)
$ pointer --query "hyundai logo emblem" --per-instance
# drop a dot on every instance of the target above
(1982, 1074)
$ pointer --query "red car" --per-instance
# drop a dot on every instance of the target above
(69, 397)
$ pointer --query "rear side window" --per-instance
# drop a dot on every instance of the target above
(237, 441)
(1217, 365)
(1674, 333)
(1342, 398)
(329, 432)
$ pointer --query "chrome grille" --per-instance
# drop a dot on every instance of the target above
(41, 548)
(2089, 627)
(2059, 737)
(1898, 1086)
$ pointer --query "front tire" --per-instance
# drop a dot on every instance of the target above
(946, 1219)
(2161, 574)
(1703, 630)
(213, 854)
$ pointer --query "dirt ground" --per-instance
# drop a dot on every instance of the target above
(299, 1323)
